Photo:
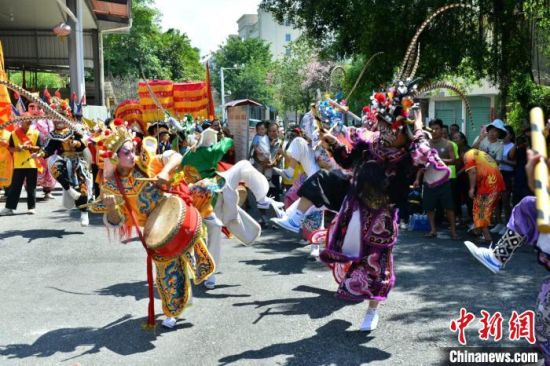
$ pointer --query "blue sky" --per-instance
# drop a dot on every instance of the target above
(206, 22)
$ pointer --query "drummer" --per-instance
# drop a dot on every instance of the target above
(126, 177)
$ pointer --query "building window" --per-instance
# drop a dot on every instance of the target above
(287, 51)
(288, 37)
(287, 23)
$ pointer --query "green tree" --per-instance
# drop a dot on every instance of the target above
(167, 55)
(492, 40)
(252, 58)
(179, 57)
(298, 76)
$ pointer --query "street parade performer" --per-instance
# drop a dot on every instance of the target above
(44, 126)
(361, 238)
(64, 150)
(215, 194)
(173, 235)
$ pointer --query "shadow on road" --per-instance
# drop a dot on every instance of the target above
(202, 292)
(123, 336)
(292, 264)
(317, 307)
(35, 234)
(137, 289)
(332, 345)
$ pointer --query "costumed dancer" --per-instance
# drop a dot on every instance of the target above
(44, 126)
(130, 200)
(359, 244)
(68, 164)
(361, 239)
(215, 194)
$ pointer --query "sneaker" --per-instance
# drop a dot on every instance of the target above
(287, 224)
(497, 229)
(84, 220)
(370, 322)
(485, 256)
(210, 282)
(403, 225)
(48, 196)
(315, 249)
(169, 322)
(31, 211)
(6, 212)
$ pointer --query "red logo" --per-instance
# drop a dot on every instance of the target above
(520, 326)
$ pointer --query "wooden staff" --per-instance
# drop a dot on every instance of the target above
(538, 142)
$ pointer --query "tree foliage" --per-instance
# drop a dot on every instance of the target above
(162, 55)
(251, 64)
(298, 76)
(493, 40)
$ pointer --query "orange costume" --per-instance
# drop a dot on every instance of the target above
(489, 185)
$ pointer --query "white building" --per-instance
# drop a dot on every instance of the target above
(264, 26)
(450, 108)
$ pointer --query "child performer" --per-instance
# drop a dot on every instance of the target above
(361, 239)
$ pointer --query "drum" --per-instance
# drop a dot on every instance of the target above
(172, 227)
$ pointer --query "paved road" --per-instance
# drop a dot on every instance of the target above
(69, 295)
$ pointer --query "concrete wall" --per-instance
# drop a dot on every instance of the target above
(264, 26)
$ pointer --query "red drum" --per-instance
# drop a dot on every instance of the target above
(172, 227)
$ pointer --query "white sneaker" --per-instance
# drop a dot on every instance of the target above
(485, 256)
(6, 212)
(403, 225)
(370, 322)
(210, 282)
(32, 211)
(287, 224)
(169, 322)
(73, 193)
(48, 196)
(84, 219)
(315, 250)
(496, 229)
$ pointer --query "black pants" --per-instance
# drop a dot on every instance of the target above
(95, 170)
(326, 188)
(14, 193)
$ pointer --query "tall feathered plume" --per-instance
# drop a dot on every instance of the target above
(407, 61)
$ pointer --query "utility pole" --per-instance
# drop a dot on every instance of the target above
(222, 76)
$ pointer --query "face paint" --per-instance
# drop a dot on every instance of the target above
(127, 155)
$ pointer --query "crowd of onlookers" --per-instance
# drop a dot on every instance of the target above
(487, 175)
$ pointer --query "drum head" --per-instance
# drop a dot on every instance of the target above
(164, 222)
